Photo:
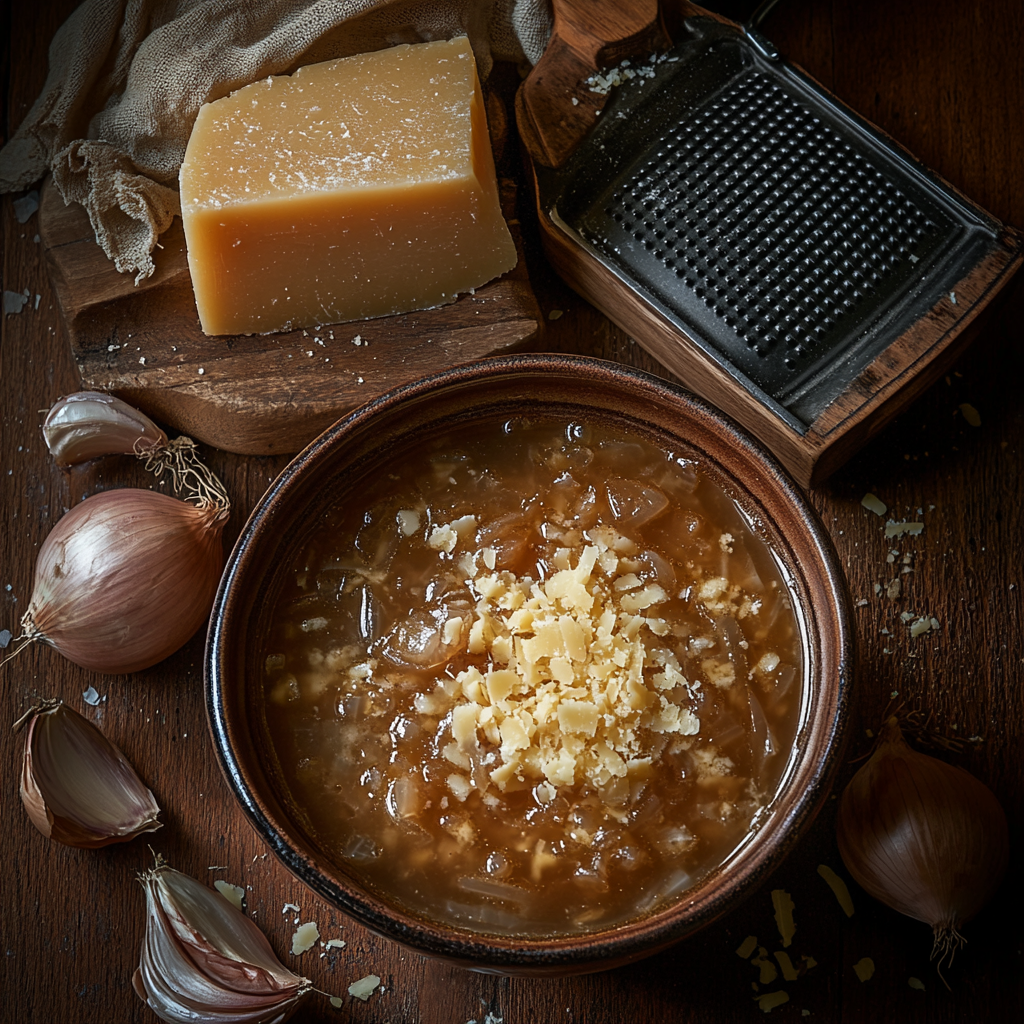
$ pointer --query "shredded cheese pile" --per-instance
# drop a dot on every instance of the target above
(576, 686)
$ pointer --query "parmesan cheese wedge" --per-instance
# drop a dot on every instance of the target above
(354, 188)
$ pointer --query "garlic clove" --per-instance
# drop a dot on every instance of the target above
(77, 787)
(204, 960)
(88, 424)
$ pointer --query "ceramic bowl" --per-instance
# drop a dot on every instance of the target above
(572, 387)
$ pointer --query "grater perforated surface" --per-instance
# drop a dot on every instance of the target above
(764, 222)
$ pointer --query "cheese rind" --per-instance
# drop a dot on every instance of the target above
(351, 189)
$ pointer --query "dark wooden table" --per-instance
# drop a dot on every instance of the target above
(946, 79)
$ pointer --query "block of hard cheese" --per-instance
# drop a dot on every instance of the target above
(354, 188)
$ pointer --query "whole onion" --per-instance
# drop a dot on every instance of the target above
(924, 837)
(126, 578)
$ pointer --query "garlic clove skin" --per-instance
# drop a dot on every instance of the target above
(88, 424)
(77, 787)
(204, 961)
(125, 579)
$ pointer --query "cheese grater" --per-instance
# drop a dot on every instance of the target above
(777, 252)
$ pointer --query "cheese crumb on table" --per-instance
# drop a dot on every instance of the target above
(364, 987)
(893, 529)
(768, 970)
(874, 504)
(864, 968)
(305, 937)
(789, 972)
(770, 1000)
(784, 907)
(234, 894)
(839, 887)
(970, 414)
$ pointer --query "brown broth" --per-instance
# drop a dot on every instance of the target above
(390, 656)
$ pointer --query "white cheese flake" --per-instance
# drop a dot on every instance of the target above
(364, 987)
(305, 937)
(970, 414)
(770, 1000)
(784, 907)
(893, 529)
(864, 968)
(234, 894)
(838, 886)
(874, 504)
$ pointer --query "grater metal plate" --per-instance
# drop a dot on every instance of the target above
(785, 236)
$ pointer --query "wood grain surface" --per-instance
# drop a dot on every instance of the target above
(273, 393)
(946, 79)
(553, 113)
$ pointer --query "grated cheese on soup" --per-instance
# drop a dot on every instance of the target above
(574, 690)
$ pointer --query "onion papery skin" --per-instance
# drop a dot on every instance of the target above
(203, 961)
(924, 837)
(125, 579)
(77, 786)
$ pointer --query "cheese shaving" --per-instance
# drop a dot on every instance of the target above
(789, 972)
(232, 893)
(364, 987)
(784, 907)
(770, 1000)
(968, 411)
(767, 968)
(894, 529)
(864, 968)
(838, 886)
(305, 937)
(874, 504)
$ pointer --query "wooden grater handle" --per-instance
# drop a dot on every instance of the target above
(587, 36)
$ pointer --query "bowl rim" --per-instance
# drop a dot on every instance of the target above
(570, 952)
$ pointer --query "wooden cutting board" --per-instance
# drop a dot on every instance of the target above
(262, 394)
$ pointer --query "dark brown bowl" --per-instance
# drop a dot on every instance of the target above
(572, 387)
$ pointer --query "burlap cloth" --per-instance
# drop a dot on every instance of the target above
(127, 78)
